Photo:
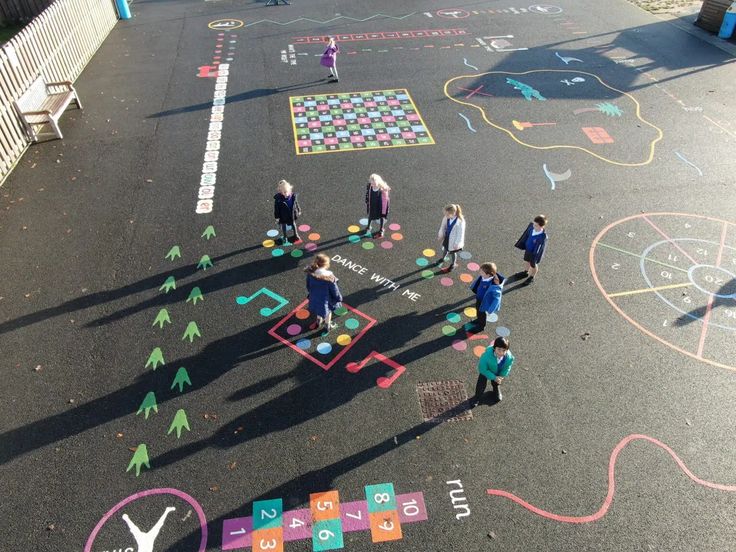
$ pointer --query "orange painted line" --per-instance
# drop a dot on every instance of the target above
(711, 298)
(719, 126)
(665, 236)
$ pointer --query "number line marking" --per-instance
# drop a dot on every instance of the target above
(638, 256)
(645, 290)
(711, 298)
(719, 258)
(665, 236)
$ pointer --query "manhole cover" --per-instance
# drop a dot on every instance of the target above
(443, 401)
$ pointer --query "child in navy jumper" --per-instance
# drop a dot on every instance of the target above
(286, 210)
(377, 204)
(532, 242)
(488, 289)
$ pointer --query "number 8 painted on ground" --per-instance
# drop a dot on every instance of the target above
(380, 498)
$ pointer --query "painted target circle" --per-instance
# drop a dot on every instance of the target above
(673, 276)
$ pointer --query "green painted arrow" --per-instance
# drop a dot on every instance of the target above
(156, 358)
(209, 232)
(181, 379)
(168, 285)
(161, 318)
(149, 402)
(140, 458)
(173, 253)
(205, 262)
(195, 295)
(180, 422)
(191, 332)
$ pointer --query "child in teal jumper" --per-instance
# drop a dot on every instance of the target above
(495, 365)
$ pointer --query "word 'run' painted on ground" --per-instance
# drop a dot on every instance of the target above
(357, 120)
(325, 521)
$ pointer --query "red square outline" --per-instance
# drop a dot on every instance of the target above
(272, 332)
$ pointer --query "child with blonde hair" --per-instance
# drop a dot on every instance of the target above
(322, 291)
(286, 210)
(451, 235)
(377, 203)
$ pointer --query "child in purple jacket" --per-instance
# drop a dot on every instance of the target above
(329, 58)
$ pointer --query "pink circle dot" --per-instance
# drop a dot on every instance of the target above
(459, 345)
(473, 266)
(293, 329)
(387, 244)
(394, 226)
(310, 246)
(446, 281)
(304, 228)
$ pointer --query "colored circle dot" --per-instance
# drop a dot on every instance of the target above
(363, 222)
(465, 255)
(324, 348)
(449, 331)
(429, 252)
(272, 233)
(314, 236)
(387, 244)
(277, 252)
(268, 243)
(344, 339)
(310, 246)
(353, 228)
(351, 323)
(453, 317)
(304, 228)
(421, 261)
(296, 253)
(478, 350)
(503, 331)
(473, 266)
(302, 314)
(465, 277)
(459, 345)
(428, 274)
(340, 311)
(394, 226)
(470, 312)
(493, 317)
(445, 281)
(293, 329)
(355, 238)
(241, 300)
(397, 236)
(304, 344)
(368, 245)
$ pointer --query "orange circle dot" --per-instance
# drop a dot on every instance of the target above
(397, 236)
(465, 277)
(302, 314)
(478, 350)
(314, 236)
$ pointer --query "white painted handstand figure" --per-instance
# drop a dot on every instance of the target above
(145, 540)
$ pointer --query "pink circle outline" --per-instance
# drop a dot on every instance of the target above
(152, 492)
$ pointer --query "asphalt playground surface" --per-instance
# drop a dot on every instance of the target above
(626, 143)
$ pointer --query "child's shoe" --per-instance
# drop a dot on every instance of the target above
(296, 240)
(327, 328)
(378, 234)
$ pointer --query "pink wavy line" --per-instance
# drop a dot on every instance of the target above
(612, 484)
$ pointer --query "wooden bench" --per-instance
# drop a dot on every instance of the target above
(44, 103)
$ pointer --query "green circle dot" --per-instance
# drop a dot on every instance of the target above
(453, 318)
(339, 311)
(421, 261)
(355, 238)
(351, 323)
(297, 253)
(449, 331)
(427, 274)
(277, 252)
(368, 245)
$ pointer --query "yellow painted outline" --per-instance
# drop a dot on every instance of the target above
(660, 134)
(229, 28)
(645, 290)
(411, 99)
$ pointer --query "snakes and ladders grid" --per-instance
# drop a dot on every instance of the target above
(357, 120)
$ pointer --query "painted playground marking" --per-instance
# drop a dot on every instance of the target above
(612, 484)
(383, 35)
(336, 18)
(676, 274)
(467, 121)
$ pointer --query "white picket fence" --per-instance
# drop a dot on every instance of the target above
(57, 44)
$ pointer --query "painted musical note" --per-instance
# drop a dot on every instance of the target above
(265, 311)
(383, 382)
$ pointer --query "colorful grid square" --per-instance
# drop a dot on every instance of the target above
(327, 535)
(267, 513)
(338, 122)
(381, 498)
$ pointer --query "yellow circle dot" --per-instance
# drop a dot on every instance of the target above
(268, 243)
(428, 252)
(344, 339)
(470, 312)
(353, 228)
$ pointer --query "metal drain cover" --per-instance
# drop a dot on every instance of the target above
(444, 401)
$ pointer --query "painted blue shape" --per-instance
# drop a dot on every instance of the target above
(304, 344)
(465, 61)
(299, 120)
(272, 233)
(418, 128)
(316, 136)
(310, 103)
(393, 130)
(327, 535)
(281, 302)
(527, 91)
(374, 114)
(381, 497)
(325, 117)
(363, 221)
(367, 132)
(267, 514)
(379, 98)
(350, 116)
(324, 348)
(402, 97)
(682, 158)
(421, 261)
(398, 112)
(342, 133)
(333, 101)
(467, 121)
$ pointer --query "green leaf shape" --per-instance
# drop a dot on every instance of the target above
(191, 332)
(140, 458)
(148, 404)
(180, 422)
(161, 318)
(155, 358)
(181, 379)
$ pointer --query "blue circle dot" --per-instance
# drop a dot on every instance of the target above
(324, 348)
(277, 252)
(363, 221)
(304, 344)
(421, 261)
(272, 233)
(465, 255)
